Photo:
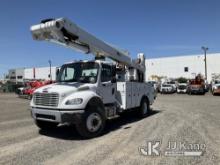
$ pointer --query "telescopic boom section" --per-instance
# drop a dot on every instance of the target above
(64, 32)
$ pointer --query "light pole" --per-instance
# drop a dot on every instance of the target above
(205, 50)
(50, 70)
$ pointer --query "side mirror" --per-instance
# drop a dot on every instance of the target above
(57, 72)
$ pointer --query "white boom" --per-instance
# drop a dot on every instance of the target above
(64, 32)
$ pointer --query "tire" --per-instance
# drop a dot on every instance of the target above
(92, 122)
(44, 125)
(144, 108)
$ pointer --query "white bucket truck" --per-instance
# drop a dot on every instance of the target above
(87, 93)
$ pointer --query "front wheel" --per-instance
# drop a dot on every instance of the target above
(92, 123)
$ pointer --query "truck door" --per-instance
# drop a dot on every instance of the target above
(107, 88)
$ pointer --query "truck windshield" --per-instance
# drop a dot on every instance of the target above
(84, 72)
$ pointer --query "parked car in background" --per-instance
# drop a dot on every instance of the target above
(182, 88)
(173, 83)
(216, 87)
(167, 88)
(29, 88)
(196, 86)
(216, 90)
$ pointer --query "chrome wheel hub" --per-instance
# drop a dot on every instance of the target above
(94, 122)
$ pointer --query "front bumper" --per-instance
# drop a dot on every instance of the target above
(199, 90)
(57, 116)
(167, 91)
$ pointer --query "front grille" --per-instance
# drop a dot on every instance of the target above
(46, 99)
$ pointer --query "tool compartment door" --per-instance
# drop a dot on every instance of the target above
(136, 94)
(124, 94)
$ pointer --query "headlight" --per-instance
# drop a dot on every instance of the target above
(74, 101)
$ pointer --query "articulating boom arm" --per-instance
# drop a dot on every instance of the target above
(64, 32)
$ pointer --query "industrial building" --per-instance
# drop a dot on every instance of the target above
(19, 75)
(183, 66)
(187, 66)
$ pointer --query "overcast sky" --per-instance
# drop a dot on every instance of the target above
(156, 27)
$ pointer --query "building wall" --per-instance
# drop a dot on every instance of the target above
(12, 75)
(174, 67)
(20, 74)
(28, 73)
(44, 72)
(16, 75)
(40, 73)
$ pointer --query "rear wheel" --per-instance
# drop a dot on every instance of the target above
(44, 125)
(92, 122)
(144, 109)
